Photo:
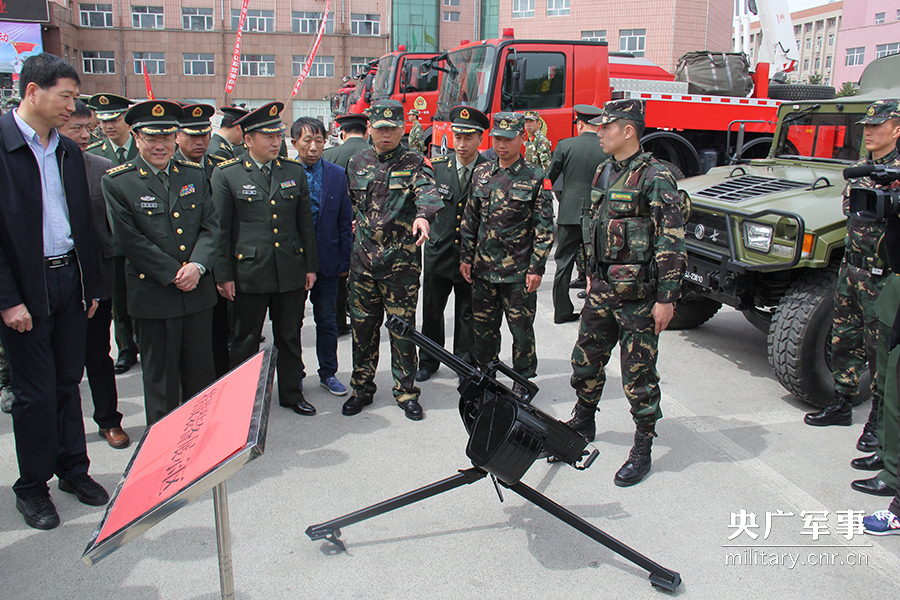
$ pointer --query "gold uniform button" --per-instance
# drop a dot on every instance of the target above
(149, 212)
(301, 250)
(277, 245)
(181, 247)
(273, 203)
(240, 256)
(275, 230)
(457, 229)
(141, 276)
(274, 216)
(193, 206)
(460, 205)
(176, 215)
(184, 264)
(459, 217)
(179, 231)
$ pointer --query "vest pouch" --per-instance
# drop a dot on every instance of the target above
(627, 281)
(638, 235)
(614, 235)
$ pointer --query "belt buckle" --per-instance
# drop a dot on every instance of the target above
(55, 262)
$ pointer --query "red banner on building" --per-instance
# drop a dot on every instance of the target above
(236, 57)
(147, 82)
(312, 55)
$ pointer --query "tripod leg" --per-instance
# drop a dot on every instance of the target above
(659, 575)
(332, 529)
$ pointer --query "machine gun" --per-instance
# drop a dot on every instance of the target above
(506, 435)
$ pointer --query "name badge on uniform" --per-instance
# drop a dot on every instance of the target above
(626, 196)
(521, 185)
(148, 202)
(401, 173)
(187, 189)
(249, 190)
(288, 184)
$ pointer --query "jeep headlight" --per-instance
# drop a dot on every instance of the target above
(757, 236)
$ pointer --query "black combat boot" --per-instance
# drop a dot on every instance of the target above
(868, 441)
(582, 420)
(839, 412)
(638, 463)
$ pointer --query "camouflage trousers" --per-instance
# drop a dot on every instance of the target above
(854, 338)
(368, 299)
(490, 301)
(4, 368)
(631, 325)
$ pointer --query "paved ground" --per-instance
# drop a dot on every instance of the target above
(732, 440)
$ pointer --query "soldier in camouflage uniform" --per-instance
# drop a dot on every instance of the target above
(854, 342)
(538, 150)
(394, 202)
(507, 231)
(416, 133)
(637, 259)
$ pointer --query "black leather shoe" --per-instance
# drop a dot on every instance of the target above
(874, 486)
(868, 463)
(123, 365)
(354, 405)
(423, 375)
(578, 284)
(85, 489)
(38, 511)
(301, 407)
(868, 441)
(839, 412)
(413, 410)
(567, 318)
(582, 294)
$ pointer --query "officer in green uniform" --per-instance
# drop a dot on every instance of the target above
(119, 147)
(416, 133)
(507, 231)
(164, 219)
(193, 136)
(854, 338)
(538, 150)
(637, 260)
(453, 177)
(353, 133)
(394, 202)
(223, 143)
(267, 254)
(576, 159)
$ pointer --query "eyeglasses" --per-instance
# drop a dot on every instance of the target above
(158, 140)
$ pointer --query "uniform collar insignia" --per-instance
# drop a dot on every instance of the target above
(143, 172)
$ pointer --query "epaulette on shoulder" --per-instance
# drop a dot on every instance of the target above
(188, 163)
(227, 163)
(216, 159)
(95, 144)
(440, 159)
(290, 160)
(120, 169)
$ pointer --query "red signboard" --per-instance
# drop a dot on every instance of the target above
(187, 449)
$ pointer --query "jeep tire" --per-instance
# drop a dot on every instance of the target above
(800, 91)
(693, 312)
(799, 340)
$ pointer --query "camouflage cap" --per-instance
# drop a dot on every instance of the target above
(532, 115)
(465, 119)
(108, 106)
(508, 124)
(154, 116)
(265, 119)
(386, 113)
(880, 111)
(413, 112)
(633, 110)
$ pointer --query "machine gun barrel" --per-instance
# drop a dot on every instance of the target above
(400, 327)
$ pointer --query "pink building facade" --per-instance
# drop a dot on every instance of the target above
(870, 30)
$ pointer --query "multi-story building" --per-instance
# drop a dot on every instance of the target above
(660, 30)
(871, 29)
(816, 32)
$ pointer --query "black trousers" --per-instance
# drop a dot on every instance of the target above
(176, 360)
(47, 365)
(435, 293)
(221, 335)
(285, 310)
(100, 371)
(125, 333)
(568, 240)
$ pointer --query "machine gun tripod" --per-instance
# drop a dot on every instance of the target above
(506, 435)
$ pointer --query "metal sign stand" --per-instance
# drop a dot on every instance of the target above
(223, 541)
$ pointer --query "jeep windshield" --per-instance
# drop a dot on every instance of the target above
(830, 137)
(383, 85)
(467, 79)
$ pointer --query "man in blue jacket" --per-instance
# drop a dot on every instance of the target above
(332, 217)
(49, 285)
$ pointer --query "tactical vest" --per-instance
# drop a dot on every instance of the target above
(622, 250)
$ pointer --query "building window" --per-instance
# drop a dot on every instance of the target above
(855, 56)
(597, 35)
(361, 24)
(257, 65)
(317, 109)
(827, 62)
(887, 49)
(818, 63)
(879, 18)
(154, 62)
(322, 66)
(95, 63)
(451, 2)
(147, 17)
(797, 29)
(359, 64)
(830, 40)
(832, 21)
(199, 64)
(806, 64)
(820, 25)
(522, 9)
(557, 8)
(197, 19)
(818, 43)
(632, 40)
(96, 15)
(309, 22)
(808, 43)
(452, 17)
(257, 20)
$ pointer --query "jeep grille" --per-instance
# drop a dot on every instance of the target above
(748, 186)
(707, 230)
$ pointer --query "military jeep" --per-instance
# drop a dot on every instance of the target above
(766, 236)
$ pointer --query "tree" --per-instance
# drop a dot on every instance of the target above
(847, 89)
(814, 78)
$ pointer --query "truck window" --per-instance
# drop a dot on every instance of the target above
(383, 85)
(416, 82)
(544, 81)
(828, 136)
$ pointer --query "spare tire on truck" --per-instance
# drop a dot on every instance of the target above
(799, 340)
(800, 91)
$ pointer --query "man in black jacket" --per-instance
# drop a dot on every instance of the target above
(49, 284)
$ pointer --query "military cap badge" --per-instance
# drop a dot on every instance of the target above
(103, 100)
(273, 111)
(504, 124)
(158, 111)
(198, 112)
(464, 113)
(388, 113)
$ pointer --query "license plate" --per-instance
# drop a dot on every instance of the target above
(696, 278)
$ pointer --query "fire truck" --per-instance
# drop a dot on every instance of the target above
(691, 132)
